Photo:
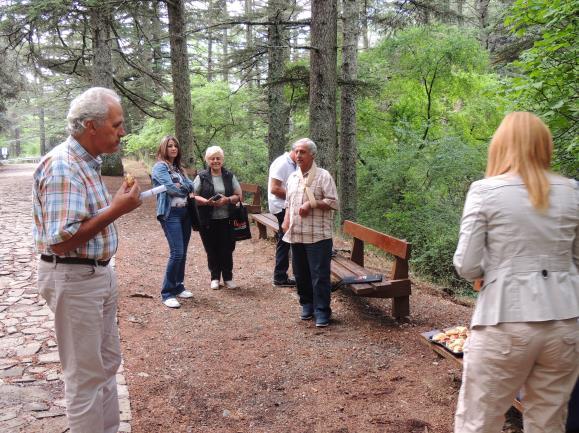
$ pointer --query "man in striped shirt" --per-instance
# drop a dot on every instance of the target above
(76, 238)
(311, 200)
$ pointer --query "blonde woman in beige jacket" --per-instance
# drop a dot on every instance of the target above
(519, 232)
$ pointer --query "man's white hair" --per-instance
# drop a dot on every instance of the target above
(92, 104)
(308, 142)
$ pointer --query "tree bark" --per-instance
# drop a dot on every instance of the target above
(278, 53)
(459, 12)
(42, 130)
(348, 146)
(17, 146)
(249, 39)
(181, 83)
(224, 43)
(210, 42)
(323, 82)
(364, 23)
(102, 72)
(482, 14)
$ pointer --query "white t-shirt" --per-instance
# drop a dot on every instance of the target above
(280, 169)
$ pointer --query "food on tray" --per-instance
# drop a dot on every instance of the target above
(453, 339)
(441, 337)
(456, 345)
(129, 179)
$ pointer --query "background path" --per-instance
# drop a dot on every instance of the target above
(31, 389)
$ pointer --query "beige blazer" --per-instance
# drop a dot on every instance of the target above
(528, 259)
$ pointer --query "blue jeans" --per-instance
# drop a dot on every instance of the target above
(311, 266)
(177, 228)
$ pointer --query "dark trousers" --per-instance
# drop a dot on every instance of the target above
(177, 228)
(282, 252)
(311, 266)
(219, 245)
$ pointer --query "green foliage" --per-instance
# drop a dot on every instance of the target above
(436, 80)
(220, 117)
(547, 80)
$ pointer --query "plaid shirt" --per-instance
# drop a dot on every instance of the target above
(68, 189)
(318, 225)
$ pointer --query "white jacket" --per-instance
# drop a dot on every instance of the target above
(529, 259)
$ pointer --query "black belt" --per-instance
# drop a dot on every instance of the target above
(74, 260)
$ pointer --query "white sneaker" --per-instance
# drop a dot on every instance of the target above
(230, 284)
(171, 303)
(185, 294)
(215, 284)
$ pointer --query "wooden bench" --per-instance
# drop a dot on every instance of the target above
(395, 286)
(263, 222)
(251, 188)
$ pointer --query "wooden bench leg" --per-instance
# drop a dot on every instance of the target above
(401, 307)
(262, 230)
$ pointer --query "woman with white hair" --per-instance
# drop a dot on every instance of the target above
(217, 191)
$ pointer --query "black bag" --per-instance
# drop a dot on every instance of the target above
(239, 222)
(193, 213)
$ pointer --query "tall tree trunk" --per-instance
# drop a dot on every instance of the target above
(323, 82)
(224, 42)
(181, 83)
(364, 23)
(459, 12)
(348, 149)
(156, 40)
(278, 110)
(17, 146)
(481, 8)
(210, 43)
(102, 72)
(249, 39)
(42, 130)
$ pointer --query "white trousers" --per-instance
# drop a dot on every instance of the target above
(84, 301)
(542, 358)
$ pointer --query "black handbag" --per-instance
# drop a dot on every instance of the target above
(193, 213)
(239, 222)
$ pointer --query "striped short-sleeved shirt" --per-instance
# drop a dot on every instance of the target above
(319, 224)
(67, 190)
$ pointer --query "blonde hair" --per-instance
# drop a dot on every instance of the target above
(522, 144)
(212, 150)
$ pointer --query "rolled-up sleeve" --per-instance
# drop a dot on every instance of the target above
(473, 229)
(330, 192)
(65, 204)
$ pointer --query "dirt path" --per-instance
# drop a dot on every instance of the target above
(242, 361)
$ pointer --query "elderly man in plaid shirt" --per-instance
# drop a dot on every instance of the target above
(311, 198)
(76, 238)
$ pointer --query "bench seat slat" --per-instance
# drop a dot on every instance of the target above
(342, 267)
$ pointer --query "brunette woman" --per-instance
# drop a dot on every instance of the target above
(174, 218)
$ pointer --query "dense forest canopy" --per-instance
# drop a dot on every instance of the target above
(403, 95)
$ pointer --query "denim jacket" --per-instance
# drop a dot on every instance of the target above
(162, 176)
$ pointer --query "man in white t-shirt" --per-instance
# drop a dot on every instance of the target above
(279, 172)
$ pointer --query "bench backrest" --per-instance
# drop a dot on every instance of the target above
(255, 190)
(397, 247)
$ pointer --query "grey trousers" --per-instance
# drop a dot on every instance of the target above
(84, 301)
